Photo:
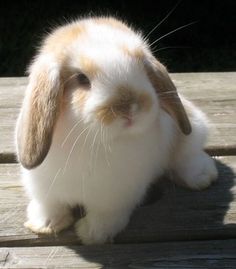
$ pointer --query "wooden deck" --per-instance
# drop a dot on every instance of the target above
(174, 228)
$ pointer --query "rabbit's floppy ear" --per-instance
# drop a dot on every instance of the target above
(167, 94)
(39, 112)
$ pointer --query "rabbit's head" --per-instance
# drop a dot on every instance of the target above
(104, 73)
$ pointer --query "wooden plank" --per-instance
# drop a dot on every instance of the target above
(11, 96)
(170, 212)
(215, 93)
(181, 255)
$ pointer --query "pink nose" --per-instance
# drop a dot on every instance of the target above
(128, 120)
(129, 117)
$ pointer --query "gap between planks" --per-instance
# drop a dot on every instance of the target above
(218, 151)
(216, 254)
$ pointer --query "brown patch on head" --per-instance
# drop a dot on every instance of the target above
(136, 53)
(145, 101)
(62, 37)
(121, 105)
(125, 98)
(112, 22)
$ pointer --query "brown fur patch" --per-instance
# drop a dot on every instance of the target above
(136, 53)
(120, 105)
(62, 37)
(105, 114)
(144, 101)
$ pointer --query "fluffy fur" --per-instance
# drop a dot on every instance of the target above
(99, 140)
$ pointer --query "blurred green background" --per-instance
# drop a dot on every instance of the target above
(208, 45)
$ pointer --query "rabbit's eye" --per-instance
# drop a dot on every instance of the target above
(83, 80)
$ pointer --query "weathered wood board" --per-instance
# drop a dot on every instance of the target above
(169, 213)
(174, 213)
(215, 93)
(185, 255)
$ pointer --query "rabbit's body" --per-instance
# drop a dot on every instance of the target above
(104, 176)
(113, 134)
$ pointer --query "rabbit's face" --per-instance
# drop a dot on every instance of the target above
(104, 74)
(116, 94)
(105, 82)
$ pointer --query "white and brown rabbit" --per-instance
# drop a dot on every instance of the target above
(101, 119)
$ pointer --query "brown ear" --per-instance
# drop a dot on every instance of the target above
(167, 94)
(38, 115)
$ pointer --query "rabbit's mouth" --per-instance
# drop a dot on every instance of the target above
(129, 121)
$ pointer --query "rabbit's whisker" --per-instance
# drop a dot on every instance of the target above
(94, 139)
(173, 31)
(72, 129)
(52, 183)
(82, 149)
(97, 149)
(170, 47)
(72, 148)
(166, 92)
(69, 78)
(92, 151)
(107, 141)
(113, 112)
(104, 142)
(170, 98)
(102, 129)
(163, 20)
(85, 140)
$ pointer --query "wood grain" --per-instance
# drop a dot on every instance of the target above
(169, 213)
(214, 93)
(182, 255)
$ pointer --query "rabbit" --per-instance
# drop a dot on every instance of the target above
(100, 121)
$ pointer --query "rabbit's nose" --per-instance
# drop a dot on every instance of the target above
(130, 115)
(128, 120)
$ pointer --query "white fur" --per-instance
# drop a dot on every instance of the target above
(108, 169)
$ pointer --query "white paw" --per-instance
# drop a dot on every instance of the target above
(100, 229)
(51, 226)
(91, 234)
(199, 172)
(38, 227)
(41, 223)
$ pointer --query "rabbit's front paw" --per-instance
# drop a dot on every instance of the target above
(41, 222)
(92, 234)
(99, 229)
